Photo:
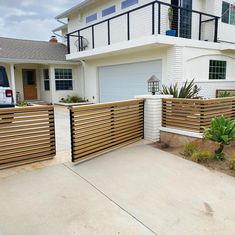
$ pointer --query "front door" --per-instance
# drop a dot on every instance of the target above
(29, 84)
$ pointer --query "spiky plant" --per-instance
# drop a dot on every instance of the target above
(189, 90)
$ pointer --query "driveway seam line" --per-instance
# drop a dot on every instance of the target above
(110, 199)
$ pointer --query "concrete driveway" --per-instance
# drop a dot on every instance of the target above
(62, 128)
(131, 191)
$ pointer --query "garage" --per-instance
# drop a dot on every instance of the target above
(123, 82)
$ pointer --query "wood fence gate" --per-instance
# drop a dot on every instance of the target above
(26, 135)
(100, 128)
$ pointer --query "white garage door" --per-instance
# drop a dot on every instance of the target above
(123, 82)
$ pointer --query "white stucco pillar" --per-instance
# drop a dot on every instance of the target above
(52, 82)
(152, 115)
(13, 82)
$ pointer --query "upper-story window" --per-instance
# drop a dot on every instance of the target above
(109, 11)
(228, 13)
(217, 69)
(91, 18)
(128, 3)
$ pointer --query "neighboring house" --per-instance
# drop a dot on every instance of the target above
(121, 43)
(38, 70)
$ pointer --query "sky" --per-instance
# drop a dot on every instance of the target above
(31, 19)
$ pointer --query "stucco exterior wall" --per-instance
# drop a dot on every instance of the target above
(77, 89)
(196, 66)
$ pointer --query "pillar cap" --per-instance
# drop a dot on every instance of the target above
(153, 96)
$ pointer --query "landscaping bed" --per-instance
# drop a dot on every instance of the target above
(74, 100)
(222, 166)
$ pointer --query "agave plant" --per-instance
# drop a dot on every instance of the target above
(222, 131)
(189, 90)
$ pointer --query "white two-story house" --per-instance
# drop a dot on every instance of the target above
(120, 44)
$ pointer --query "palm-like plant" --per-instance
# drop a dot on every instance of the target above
(189, 90)
(222, 131)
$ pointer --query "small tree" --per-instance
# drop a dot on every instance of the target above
(222, 131)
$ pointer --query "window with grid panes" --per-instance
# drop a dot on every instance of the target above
(63, 79)
(46, 79)
(217, 70)
(228, 13)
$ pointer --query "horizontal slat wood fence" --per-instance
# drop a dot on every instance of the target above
(195, 115)
(99, 128)
(26, 135)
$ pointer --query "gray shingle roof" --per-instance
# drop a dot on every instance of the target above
(31, 50)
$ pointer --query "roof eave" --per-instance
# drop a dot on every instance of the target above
(73, 9)
(60, 28)
(29, 61)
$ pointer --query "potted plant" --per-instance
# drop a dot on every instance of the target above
(171, 32)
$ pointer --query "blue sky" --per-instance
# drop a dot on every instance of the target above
(31, 19)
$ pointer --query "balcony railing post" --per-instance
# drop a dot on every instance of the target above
(93, 36)
(159, 18)
(128, 26)
(216, 29)
(79, 41)
(153, 18)
(108, 22)
(68, 43)
(200, 27)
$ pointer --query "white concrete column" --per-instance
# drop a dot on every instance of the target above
(13, 82)
(52, 82)
(152, 115)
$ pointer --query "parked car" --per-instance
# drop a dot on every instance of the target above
(6, 94)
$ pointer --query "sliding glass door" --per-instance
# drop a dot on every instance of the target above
(186, 19)
(182, 19)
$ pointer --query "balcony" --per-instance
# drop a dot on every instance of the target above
(147, 20)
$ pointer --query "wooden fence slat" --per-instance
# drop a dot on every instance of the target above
(99, 128)
(195, 115)
(26, 135)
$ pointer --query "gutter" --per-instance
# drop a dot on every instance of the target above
(28, 61)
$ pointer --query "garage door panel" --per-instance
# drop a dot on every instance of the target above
(122, 82)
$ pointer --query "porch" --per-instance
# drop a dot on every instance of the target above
(35, 82)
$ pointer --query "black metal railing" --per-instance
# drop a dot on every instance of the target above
(185, 23)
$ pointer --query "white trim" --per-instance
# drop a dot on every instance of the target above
(181, 132)
(13, 82)
(157, 41)
(73, 9)
(25, 61)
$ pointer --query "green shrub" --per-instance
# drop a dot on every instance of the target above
(72, 99)
(189, 149)
(202, 155)
(232, 163)
(224, 94)
(194, 153)
(222, 131)
(189, 90)
(22, 104)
